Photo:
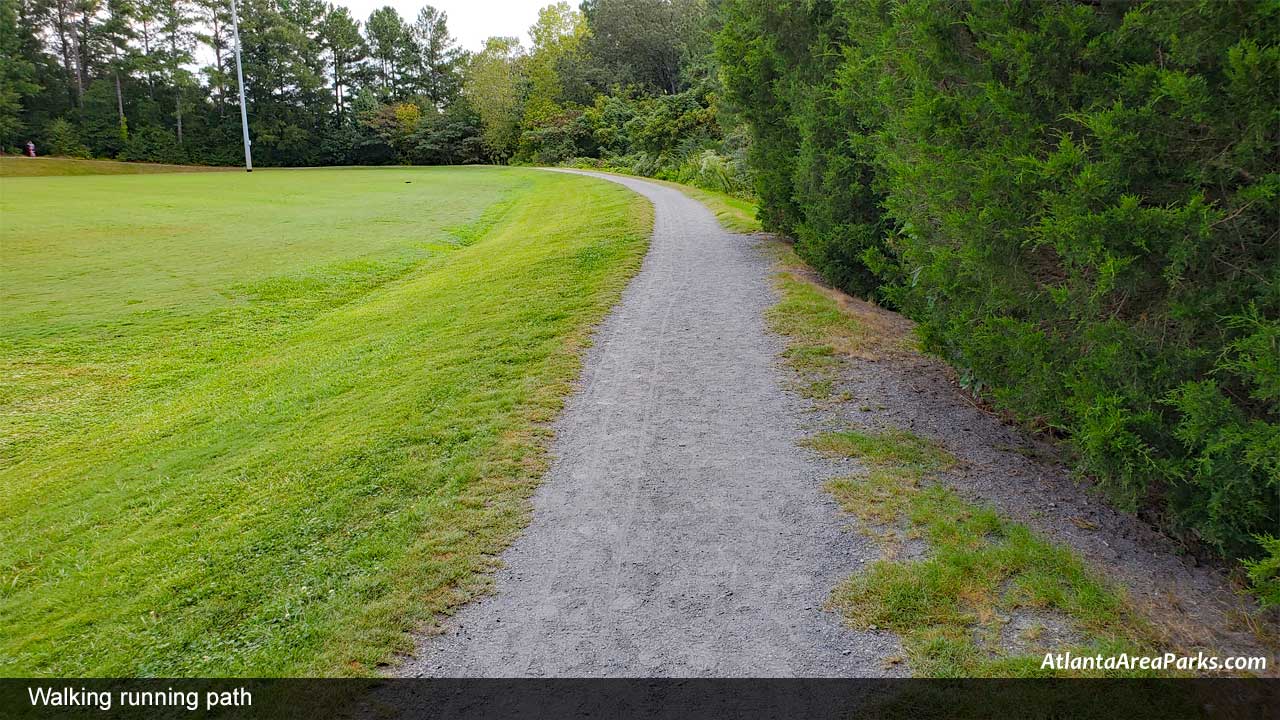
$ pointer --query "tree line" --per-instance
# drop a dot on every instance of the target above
(628, 83)
(1076, 201)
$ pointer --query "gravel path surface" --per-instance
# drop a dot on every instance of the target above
(680, 531)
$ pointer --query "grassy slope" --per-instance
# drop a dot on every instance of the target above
(264, 424)
(11, 166)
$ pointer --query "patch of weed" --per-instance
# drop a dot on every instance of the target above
(950, 606)
(809, 318)
(904, 452)
(818, 390)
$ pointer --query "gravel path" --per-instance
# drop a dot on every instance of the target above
(680, 531)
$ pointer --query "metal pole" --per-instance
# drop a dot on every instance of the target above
(244, 111)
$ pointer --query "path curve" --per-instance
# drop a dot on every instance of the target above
(680, 530)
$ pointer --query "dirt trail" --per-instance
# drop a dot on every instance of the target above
(680, 531)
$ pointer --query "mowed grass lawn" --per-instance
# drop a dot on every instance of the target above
(266, 424)
(20, 166)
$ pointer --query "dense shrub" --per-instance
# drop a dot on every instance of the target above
(812, 147)
(153, 144)
(553, 141)
(675, 137)
(1076, 201)
(64, 140)
(452, 137)
(712, 171)
(1264, 572)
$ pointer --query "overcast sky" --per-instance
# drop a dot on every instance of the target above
(470, 21)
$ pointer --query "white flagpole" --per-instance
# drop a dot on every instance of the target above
(244, 111)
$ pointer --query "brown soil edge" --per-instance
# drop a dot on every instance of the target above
(1193, 604)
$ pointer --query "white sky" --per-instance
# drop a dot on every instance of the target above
(470, 21)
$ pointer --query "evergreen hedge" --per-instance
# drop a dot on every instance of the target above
(1077, 201)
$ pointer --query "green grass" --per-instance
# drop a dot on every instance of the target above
(820, 336)
(734, 213)
(818, 320)
(951, 606)
(902, 450)
(11, 166)
(266, 424)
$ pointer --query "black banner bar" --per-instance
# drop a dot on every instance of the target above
(748, 699)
